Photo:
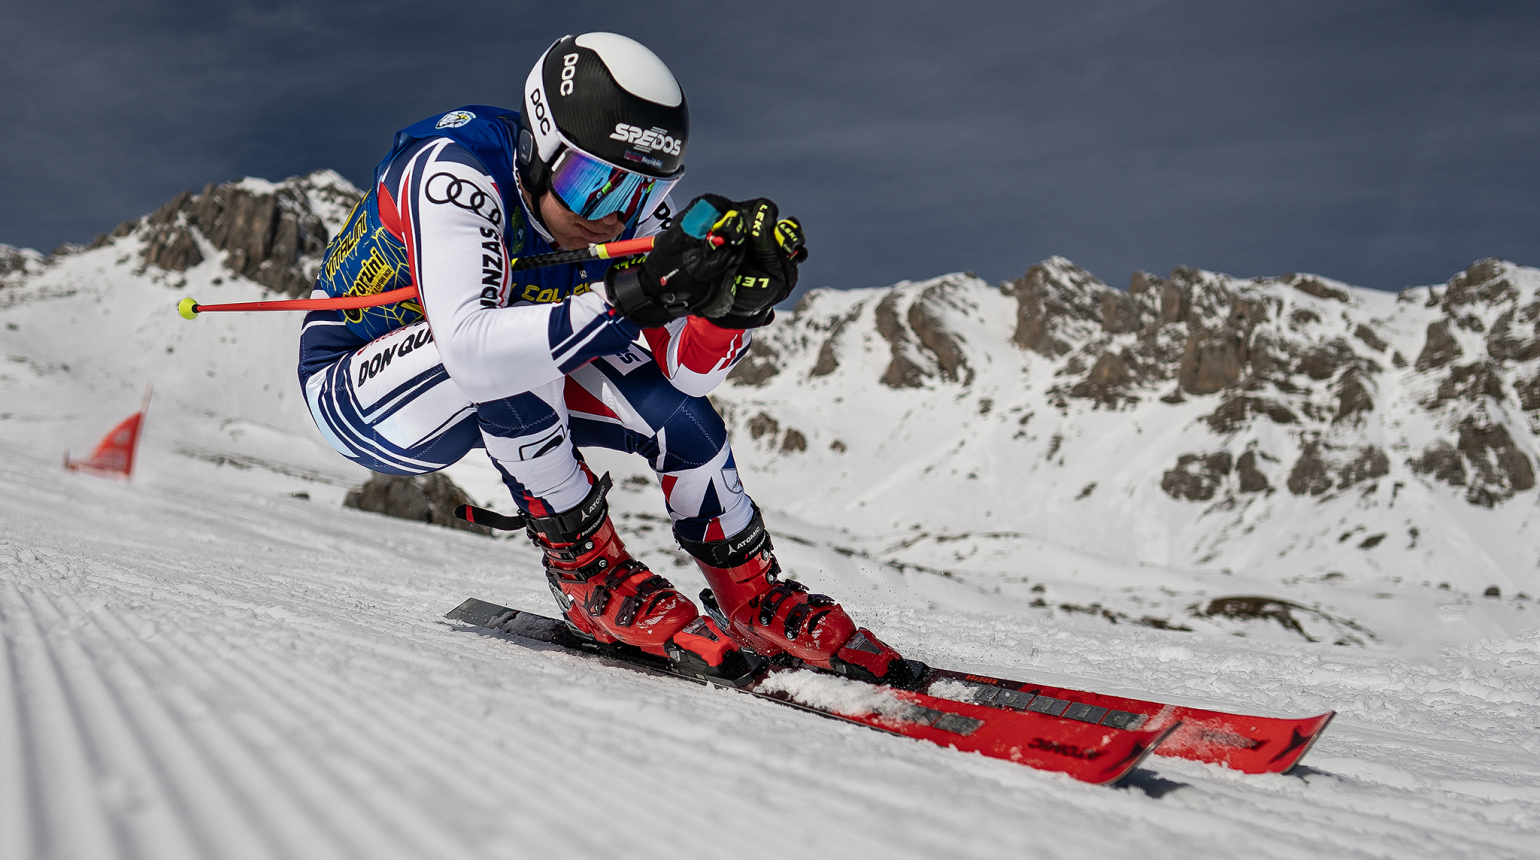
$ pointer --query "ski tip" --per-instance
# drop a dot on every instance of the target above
(1141, 751)
(188, 308)
(1321, 723)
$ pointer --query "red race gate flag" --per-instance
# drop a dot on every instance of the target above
(114, 455)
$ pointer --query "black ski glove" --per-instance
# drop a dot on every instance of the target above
(685, 273)
(774, 248)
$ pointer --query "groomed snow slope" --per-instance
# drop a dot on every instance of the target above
(194, 667)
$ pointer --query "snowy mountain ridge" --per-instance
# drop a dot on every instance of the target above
(1291, 428)
(1275, 457)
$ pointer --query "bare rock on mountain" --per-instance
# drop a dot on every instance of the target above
(1439, 349)
(1372, 340)
(1482, 282)
(1251, 479)
(1313, 287)
(1197, 477)
(1515, 335)
(921, 343)
(1212, 362)
(428, 498)
(1108, 380)
(1354, 396)
(927, 322)
(173, 248)
(1498, 468)
(1370, 463)
(1050, 299)
(1311, 474)
(758, 365)
(1469, 383)
(763, 423)
(828, 352)
(1122, 314)
(902, 371)
(265, 234)
(793, 442)
(1441, 461)
(1528, 391)
(1322, 361)
(1237, 411)
(1320, 467)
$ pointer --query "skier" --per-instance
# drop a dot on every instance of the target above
(531, 365)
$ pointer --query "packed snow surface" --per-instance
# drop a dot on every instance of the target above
(217, 659)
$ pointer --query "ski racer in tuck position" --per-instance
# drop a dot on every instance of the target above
(532, 365)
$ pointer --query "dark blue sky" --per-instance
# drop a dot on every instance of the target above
(1382, 143)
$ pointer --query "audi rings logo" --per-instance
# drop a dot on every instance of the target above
(447, 188)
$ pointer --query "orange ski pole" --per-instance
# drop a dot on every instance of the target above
(189, 308)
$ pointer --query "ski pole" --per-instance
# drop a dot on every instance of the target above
(189, 308)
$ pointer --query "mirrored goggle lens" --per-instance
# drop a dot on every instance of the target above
(593, 189)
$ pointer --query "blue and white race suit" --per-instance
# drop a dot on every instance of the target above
(529, 365)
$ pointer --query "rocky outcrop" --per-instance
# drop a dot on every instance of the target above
(1251, 478)
(1439, 349)
(758, 366)
(1441, 462)
(919, 337)
(1321, 466)
(1498, 469)
(1313, 287)
(1355, 396)
(903, 371)
(1051, 299)
(927, 321)
(428, 498)
(1290, 363)
(1197, 477)
(1108, 380)
(18, 263)
(1515, 335)
(1469, 383)
(1212, 362)
(268, 233)
(828, 351)
(1238, 411)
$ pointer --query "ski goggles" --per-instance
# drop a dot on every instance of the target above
(594, 189)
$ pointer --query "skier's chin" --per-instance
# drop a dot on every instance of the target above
(571, 231)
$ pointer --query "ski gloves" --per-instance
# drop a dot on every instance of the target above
(734, 284)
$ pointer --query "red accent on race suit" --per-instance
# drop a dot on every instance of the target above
(700, 346)
(581, 401)
(390, 216)
(668, 485)
(536, 508)
(408, 235)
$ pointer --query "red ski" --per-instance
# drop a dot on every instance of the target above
(1245, 743)
(1082, 749)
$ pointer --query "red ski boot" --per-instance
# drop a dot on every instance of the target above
(780, 620)
(608, 597)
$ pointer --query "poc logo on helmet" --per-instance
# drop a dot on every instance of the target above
(647, 139)
(568, 70)
(542, 116)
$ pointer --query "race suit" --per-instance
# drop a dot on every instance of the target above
(528, 365)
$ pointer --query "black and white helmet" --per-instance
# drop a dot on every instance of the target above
(604, 126)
